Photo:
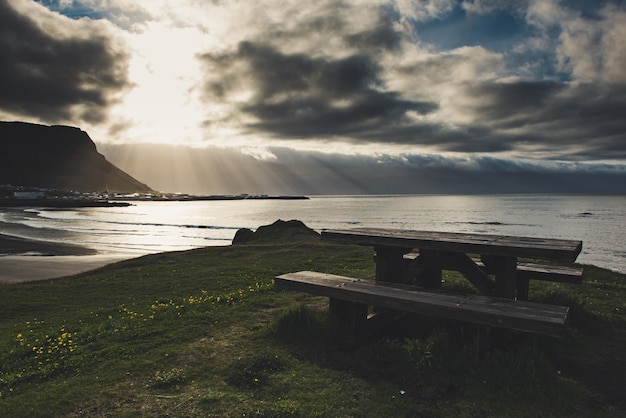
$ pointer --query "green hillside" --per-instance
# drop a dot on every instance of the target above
(204, 333)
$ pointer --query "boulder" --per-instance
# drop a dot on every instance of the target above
(279, 231)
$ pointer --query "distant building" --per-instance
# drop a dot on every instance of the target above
(29, 195)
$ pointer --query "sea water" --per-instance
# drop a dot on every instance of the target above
(149, 227)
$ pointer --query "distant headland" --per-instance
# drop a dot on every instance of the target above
(59, 166)
(58, 157)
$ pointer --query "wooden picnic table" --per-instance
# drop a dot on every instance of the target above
(437, 251)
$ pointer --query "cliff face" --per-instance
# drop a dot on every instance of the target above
(59, 157)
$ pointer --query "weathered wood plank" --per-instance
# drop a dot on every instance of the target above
(550, 273)
(482, 310)
(546, 272)
(499, 245)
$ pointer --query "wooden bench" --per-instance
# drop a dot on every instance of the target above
(350, 298)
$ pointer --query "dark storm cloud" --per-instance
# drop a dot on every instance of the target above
(432, 173)
(593, 117)
(583, 120)
(228, 171)
(510, 100)
(298, 96)
(45, 75)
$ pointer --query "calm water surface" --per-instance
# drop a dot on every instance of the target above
(148, 227)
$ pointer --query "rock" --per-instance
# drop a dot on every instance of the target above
(279, 231)
(242, 235)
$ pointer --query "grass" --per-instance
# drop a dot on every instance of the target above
(204, 333)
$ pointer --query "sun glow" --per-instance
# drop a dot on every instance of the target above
(163, 105)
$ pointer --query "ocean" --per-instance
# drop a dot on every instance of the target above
(150, 227)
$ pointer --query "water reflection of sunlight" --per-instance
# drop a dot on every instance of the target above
(149, 227)
(144, 227)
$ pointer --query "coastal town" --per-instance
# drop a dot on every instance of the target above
(20, 196)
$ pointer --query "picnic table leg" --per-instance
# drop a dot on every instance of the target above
(522, 288)
(348, 321)
(431, 274)
(389, 263)
(506, 281)
(477, 339)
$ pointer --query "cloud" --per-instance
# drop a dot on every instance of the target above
(586, 40)
(380, 86)
(477, 83)
(424, 10)
(126, 14)
(55, 68)
(488, 6)
(214, 170)
(296, 96)
(510, 104)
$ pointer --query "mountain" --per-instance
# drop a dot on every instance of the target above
(58, 157)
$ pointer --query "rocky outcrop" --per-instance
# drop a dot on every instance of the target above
(279, 231)
(58, 157)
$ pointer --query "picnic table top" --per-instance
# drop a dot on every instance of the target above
(484, 244)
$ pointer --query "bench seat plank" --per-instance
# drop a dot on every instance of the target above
(550, 273)
(495, 312)
(547, 272)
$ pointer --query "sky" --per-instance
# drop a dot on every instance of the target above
(330, 97)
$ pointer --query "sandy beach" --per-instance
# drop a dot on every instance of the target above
(23, 260)
(10, 245)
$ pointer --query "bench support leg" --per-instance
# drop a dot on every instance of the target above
(506, 281)
(348, 321)
(522, 288)
(382, 320)
(389, 264)
(431, 266)
(477, 339)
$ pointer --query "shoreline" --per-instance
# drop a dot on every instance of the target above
(59, 203)
(25, 260)
(123, 201)
(12, 245)
(29, 268)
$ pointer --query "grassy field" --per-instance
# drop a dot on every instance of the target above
(204, 333)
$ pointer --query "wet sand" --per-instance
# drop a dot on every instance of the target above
(17, 268)
(10, 245)
(23, 260)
